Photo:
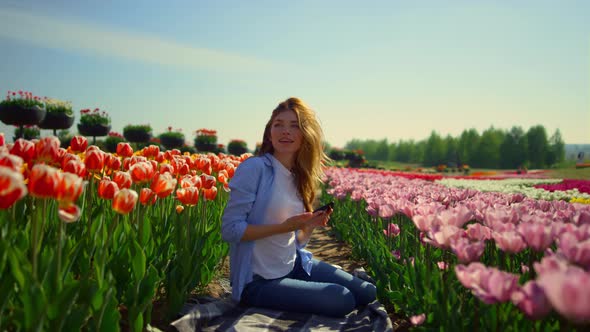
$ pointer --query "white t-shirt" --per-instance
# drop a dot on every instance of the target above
(274, 256)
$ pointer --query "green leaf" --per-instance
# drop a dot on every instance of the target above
(138, 261)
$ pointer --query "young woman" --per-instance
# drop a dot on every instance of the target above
(268, 221)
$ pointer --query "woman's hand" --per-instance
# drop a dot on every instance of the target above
(308, 221)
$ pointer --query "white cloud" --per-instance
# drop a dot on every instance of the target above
(89, 38)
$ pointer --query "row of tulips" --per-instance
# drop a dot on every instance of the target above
(90, 240)
(541, 189)
(462, 259)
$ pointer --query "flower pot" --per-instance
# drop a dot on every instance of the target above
(56, 121)
(20, 116)
(171, 142)
(93, 130)
(206, 147)
(236, 150)
(137, 136)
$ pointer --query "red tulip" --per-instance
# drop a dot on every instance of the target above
(43, 181)
(222, 176)
(208, 181)
(76, 167)
(24, 149)
(112, 162)
(13, 162)
(124, 149)
(188, 196)
(123, 179)
(78, 144)
(94, 160)
(12, 187)
(190, 181)
(166, 168)
(147, 196)
(107, 189)
(2, 141)
(151, 151)
(163, 184)
(141, 172)
(69, 188)
(46, 150)
(124, 201)
(69, 213)
(210, 193)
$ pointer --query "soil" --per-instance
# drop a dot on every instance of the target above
(324, 246)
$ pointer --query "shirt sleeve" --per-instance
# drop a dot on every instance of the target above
(243, 188)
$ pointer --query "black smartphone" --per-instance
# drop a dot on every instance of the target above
(325, 207)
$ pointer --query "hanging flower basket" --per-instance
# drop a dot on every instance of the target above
(94, 130)
(18, 115)
(54, 120)
(137, 133)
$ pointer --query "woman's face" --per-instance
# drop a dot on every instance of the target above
(285, 133)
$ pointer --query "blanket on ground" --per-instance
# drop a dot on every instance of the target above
(211, 314)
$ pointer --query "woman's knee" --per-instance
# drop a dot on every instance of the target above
(368, 293)
(340, 302)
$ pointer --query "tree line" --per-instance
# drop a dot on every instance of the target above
(494, 148)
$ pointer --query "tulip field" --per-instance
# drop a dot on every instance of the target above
(468, 255)
(91, 240)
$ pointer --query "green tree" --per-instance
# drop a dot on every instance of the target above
(452, 154)
(382, 150)
(467, 145)
(556, 153)
(513, 150)
(537, 146)
(434, 150)
(488, 149)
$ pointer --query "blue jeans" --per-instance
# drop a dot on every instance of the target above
(328, 291)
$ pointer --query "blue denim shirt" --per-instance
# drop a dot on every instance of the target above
(250, 193)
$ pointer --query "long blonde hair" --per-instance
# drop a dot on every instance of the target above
(308, 163)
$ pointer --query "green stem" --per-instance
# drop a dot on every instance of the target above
(59, 250)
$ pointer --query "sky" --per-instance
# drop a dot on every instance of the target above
(395, 70)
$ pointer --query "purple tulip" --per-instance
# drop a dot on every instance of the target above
(569, 293)
(396, 254)
(531, 300)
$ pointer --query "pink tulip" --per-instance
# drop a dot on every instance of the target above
(537, 235)
(568, 293)
(479, 232)
(495, 286)
(511, 242)
(418, 319)
(531, 300)
(466, 250)
(550, 263)
(469, 275)
(396, 254)
(457, 216)
(392, 230)
(386, 211)
(574, 250)
(442, 237)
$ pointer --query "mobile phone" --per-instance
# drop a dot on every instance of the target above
(325, 207)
